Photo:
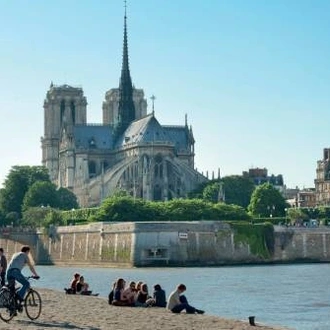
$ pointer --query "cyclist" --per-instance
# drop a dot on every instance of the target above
(16, 264)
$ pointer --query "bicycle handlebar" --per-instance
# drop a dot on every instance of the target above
(33, 277)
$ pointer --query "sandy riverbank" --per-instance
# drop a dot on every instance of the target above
(61, 311)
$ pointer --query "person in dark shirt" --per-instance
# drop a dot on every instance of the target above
(159, 296)
(3, 267)
(82, 287)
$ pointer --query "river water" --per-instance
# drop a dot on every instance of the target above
(295, 296)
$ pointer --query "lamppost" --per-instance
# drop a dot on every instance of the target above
(72, 212)
(286, 216)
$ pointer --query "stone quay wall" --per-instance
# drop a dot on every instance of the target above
(142, 244)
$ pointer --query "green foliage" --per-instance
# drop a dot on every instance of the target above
(12, 218)
(198, 192)
(2, 219)
(34, 216)
(127, 208)
(273, 220)
(37, 217)
(17, 183)
(297, 215)
(211, 192)
(259, 237)
(79, 216)
(54, 218)
(238, 190)
(267, 201)
(66, 199)
(230, 212)
(45, 193)
(187, 210)
(123, 208)
(41, 193)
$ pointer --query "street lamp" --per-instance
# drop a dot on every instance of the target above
(72, 212)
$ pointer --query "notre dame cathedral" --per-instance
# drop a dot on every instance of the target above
(129, 151)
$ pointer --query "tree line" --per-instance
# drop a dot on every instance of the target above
(29, 198)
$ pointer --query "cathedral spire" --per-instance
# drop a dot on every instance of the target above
(126, 109)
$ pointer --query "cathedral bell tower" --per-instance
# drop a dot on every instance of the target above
(64, 107)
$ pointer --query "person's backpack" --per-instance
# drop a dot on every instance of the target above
(110, 297)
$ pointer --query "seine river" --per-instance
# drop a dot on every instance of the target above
(295, 296)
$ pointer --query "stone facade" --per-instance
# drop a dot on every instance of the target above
(142, 244)
(130, 150)
(322, 181)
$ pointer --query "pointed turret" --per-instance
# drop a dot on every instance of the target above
(126, 110)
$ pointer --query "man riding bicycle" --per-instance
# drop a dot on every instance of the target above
(14, 270)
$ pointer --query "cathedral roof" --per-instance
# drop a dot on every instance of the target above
(93, 136)
(149, 130)
(179, 135)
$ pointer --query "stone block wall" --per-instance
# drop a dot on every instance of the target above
(141, 244)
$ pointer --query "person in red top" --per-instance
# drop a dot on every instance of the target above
(75, 280)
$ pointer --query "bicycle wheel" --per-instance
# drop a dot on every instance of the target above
(32, 304)
(7, 305)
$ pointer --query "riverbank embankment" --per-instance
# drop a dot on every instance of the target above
(61, 311)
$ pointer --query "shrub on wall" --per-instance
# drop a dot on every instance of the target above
(126, 208)
(259, 237)
(78, 216)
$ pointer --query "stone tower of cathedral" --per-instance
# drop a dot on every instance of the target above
(129, 151)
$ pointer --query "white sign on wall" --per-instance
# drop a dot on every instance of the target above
(183, 235)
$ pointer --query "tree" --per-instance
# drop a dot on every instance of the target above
(211, 192)
(266, 201)
(198, 192)
(125, 208)
(35, 216)
(237, 190)
(128, 209)
(2, 219)
(41, 193)
(297, 215)
(67, 200)
(17, 183)
(42, 217)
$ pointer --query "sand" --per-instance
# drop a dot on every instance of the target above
(61, 311)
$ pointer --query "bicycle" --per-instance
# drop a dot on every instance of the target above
(10, 304)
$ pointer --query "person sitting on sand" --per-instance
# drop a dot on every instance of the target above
(118, 298)
(111, 294)
(159, 296)
(177, 302)
(82, 286)
(142, 298)
(73, 284)
(129, 293)
(138, 286)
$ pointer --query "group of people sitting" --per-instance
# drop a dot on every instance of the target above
(78, 285)
(136, 294)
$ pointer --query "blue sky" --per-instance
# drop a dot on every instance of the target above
(253, 76)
